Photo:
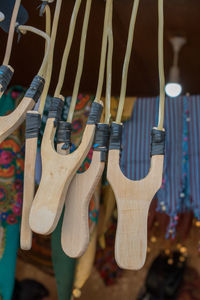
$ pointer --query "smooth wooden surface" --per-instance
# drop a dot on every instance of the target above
(11, 122)
(57, 173)
(28, 194)
(75, 234)
(133, 201)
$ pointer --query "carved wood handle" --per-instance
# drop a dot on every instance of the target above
(131, 237)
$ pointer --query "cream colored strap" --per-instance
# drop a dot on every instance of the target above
(126, 61)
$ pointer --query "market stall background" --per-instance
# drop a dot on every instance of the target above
(181, 18)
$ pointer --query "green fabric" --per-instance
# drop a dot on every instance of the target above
(64, 266)
(8, 261)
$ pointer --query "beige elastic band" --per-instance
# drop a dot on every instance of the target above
(109, 68)
(23, 29)
(127, 61)
(67, 48)
(50, 58)
(161, 63)
(80, 62)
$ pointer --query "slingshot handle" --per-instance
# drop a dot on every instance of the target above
(33, 121)
(131, 235)
(75, 234)
(29, 190)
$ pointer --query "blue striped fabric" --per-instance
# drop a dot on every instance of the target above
(180, 189)
(194, 152)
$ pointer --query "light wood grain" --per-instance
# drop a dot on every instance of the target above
(57, 173)
(75, 234)
(11, 122)
(133, 201)
(28, 194)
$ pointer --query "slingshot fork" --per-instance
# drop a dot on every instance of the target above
(133, 201)
(57, 173)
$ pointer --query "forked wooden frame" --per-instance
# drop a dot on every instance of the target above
(75, 236)
(31, 143)
(57, 173)
(133, 201)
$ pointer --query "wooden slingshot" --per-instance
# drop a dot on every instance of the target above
(57, 169)
(75, 229)
(31, 141)
(134, 197)
(33, 120)
(12, 121)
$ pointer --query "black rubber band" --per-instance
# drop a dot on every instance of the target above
(55, 110)
(115, 136)
(157, 142)
(64, 134)
(35, 90)
(101, 140)
(95, 113)
(33, 123)
(5, 77)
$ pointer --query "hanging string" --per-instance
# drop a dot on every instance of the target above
(80, 62)
(23, 29)
(50, 58)
(11, 32)
(161, 63)
(67, 48)
(127, 61)
(48, 22)
(109, 68)
(103, 53)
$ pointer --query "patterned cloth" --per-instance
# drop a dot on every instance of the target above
(11, 167)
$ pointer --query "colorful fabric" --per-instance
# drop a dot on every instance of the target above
(11, 167)
(11, 191)
(180, 191)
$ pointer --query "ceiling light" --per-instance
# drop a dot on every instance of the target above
(173, 88)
